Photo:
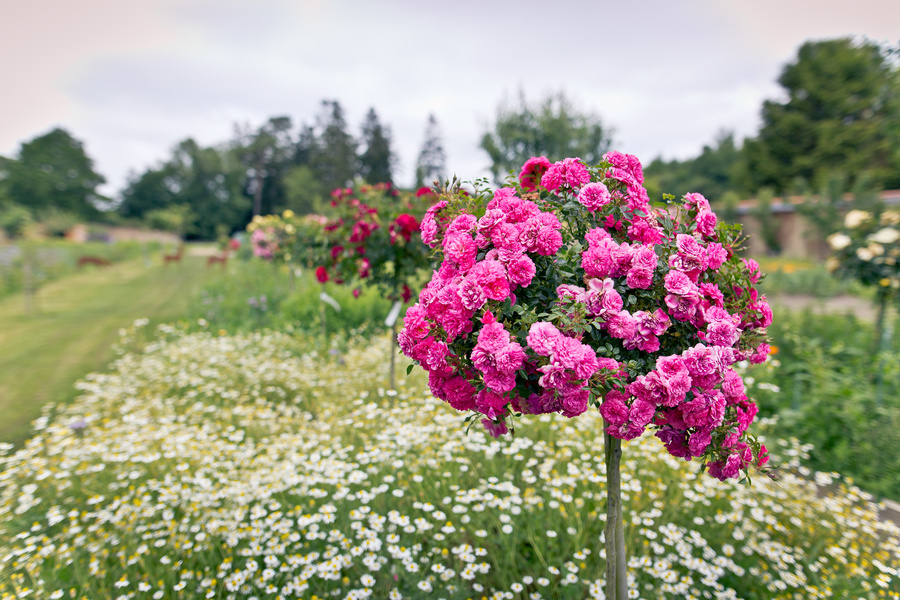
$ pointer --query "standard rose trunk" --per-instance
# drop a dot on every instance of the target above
(616, 559)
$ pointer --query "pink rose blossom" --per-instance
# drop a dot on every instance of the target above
(733, 386)
(597, 260)
(716, 255)
(699, 441)
(621, 325)
(696, 202)
(461, 249)
(575, 403)
(644, 232)
(596, 235)
(628, 163)
(506, 236)
(521, 270)
(495, 428)
(760, 354)
(679, 284)
(492, 277)
(706, 223)
(594, 196)
(542, 337)
(576, 173)
(753, 267)
(492, 218)
(722, 333)
(614, 410)
(532, 171)
(641, 412)
(601, 298)
(639, 279)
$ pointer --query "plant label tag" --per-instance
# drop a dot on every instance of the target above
(330, 301)
(392, 316)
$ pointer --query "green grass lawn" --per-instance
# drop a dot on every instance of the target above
(71, 333)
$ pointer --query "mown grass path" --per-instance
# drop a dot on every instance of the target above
(71, 333)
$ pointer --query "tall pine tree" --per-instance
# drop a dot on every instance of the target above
(432, 162)
(376, 162)
(333, 155)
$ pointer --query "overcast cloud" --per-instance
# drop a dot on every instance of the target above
(131, 79)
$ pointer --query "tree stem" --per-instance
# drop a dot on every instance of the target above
(393, 351)
(616, 559)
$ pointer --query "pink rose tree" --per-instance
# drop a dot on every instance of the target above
(569, 290)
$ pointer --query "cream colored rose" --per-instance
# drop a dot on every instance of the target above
(890, 217)
(864, 254)
(886, 235)
(832, 264)
(855, 218)
(839, 241)
(876, 249)
(289, 228)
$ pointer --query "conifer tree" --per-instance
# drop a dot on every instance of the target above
(432, 162)
(377, 160)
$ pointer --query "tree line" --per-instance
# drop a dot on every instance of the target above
(207, 191)
(836, 126)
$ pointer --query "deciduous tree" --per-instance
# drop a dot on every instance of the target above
(53, 171)
(841, 114)
(553, 127)
(266, 155)
(205, 180)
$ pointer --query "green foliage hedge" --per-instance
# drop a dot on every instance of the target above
(259, 295)
(830, 390)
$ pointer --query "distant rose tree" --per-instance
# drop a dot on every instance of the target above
(569, 289)
(868, 250)
(288, 239)
(373, 239)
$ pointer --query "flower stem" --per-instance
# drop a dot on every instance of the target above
(616, 560)
(393, 351)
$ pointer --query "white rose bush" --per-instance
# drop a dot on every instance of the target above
(569, 289)
(867, 249)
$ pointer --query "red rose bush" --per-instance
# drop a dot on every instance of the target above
(372, 238)
(569, 289)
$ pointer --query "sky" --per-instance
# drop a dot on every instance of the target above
(131, 79)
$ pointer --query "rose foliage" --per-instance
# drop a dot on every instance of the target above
(373, 238)
(568, 289)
